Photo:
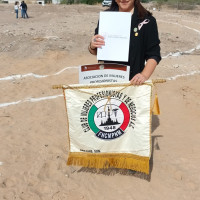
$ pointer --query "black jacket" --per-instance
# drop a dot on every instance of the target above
(24, 6)
(143, 46)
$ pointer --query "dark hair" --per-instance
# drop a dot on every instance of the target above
(142, 12)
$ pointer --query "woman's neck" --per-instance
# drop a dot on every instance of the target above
(131, 11)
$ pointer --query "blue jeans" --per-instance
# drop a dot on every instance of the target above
(23, 13)
(26, 14)
(16, 11)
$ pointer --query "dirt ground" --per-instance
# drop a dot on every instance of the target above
(46, 50)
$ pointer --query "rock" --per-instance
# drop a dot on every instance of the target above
(176, 66)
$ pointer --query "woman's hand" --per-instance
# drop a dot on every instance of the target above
(138, 79)
(97, 42)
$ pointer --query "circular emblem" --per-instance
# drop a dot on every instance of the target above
(108, 120)
(101, 67)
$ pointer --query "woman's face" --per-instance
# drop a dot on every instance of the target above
(125, 5)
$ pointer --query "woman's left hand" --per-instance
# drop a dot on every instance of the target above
(138, 79)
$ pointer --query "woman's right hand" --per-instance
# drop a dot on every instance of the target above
(97, 41)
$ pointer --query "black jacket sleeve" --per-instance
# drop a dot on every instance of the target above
(152, 47)
(96, 29)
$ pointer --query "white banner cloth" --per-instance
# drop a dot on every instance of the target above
(109, 119)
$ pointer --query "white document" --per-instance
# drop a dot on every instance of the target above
(115, 28)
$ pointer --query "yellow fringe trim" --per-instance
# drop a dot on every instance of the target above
(110, 160)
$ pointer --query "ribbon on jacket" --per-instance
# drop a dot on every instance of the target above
(146, 21)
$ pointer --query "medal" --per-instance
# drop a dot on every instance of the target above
(136, 34)
(135, 29)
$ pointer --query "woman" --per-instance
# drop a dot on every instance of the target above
(144, 40)
(16, 7)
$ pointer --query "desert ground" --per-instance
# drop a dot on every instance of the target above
(46, 50)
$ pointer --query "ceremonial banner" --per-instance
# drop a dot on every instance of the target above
(109, 125)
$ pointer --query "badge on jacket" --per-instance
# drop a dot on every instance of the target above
(140, 25)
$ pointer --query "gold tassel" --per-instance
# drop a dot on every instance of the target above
(104, 161)
(156, 109)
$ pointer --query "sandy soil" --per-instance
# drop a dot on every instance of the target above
(47, 49)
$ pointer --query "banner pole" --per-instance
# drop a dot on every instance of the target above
(57, 86)
(158, 81)
(65, 86)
